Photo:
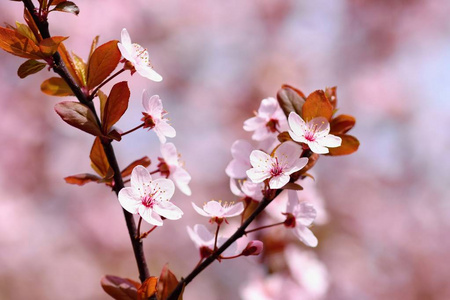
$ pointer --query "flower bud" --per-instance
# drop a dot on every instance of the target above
(253, 248)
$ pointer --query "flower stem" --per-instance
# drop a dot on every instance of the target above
(131, 130)
(263, 227)
(139, 228)
(105, 82)
(216, 237)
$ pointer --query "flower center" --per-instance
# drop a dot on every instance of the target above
(148, 201)
(310, 133)
(163, 167)
(148, 120)
(272, 125)
(276, 168)
(141, 54)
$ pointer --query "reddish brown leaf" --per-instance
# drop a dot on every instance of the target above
(70, 65)
(166, 284)
(93, 46)
(68, 7)
(29, 67)
(99, 161)
(292, 186)
(19, 45)
(56, 86)
(102, 62)
(116, 105)
(82, 179)
(103, 98)
(50, 45)
(79, 116)
(56, 2)
(26, 31)
(32, 25)
(331, 95)
(147, 289)
(284, 136)
(115, 135)
(290, 99)
(80, 68)
(145, 162)
(349, 145)
(342, 124)
(317, 105)
(120, 288)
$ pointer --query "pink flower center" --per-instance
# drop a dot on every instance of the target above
(276, 168)
(272, 125)
(148, 121)
(148, 201)
(310, 133)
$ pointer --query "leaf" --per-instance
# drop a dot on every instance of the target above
(103, 98)
(147, 289)
(56, 2)
(32, 25)
(29, 67)
(115, 135)
(78, 115)
(166, 284)
(102, 62)
(290, 100)
(68, 7)
(99, 161)
(120, 288)
(331, 95)
(49, 46)
(342, 124)
(26, 31)
(145, 162)
(284, 136)
(317, 105)
(93, 46)
(19, 45)
(82, 179)
(56, 86)
(292, 186)
(116, 105)
(80, 68)
(349, 145)
(70, 65)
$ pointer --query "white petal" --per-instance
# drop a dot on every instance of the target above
(182, 179)
(305, 213)
(234, 210)
(213, 208)
(126, 53)
(292, 203)
(296, 124)
(140, 180)
(320, 125)
(298, 165)
(306, 236)
(236, 169)
(235, 189)
(241, 150)
(152, 104)
(129, 200)
(259, 159)
(288, 154)
(258, 175)
(316, 148)
(330, 141)
(150, 216)
(148, 72)
(168, 210)
(125, 38)
(254, 123)
(170, 154)
(277, 182)
(267, 108)
(166, 129)
(200, 211)
(163, 189)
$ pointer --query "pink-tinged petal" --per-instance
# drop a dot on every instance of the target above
(306, 213)
(140, 180)
(297, 166)
(182, 179)
(200, 235)
(330, 141)
(267, 108)
(292, 203)
(234, 210)
(150, 216)
(317, 148)
(162, 138)
(163, 189)
(254, 123)
(166, 129)
(296, 123)
(125, 38)
(168, 210)
(200, 211)
(152, 104)
(235, 189)
(148, 72)
(129, 200)
(170, 154)
(213, 208)
(288, 153)
(259, 159)
(319, 125)
(258, 175)
(277, 182)
(306, 236)
(262, 133)
(241, 150)
(253, 190)
(236, 169)
(126, 53)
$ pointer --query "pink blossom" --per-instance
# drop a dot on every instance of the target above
(285, 161)
(315, 133)
(154, 117)
(215, 209)
(204, 240)
(240, 150)
(149, 198)
(171, 167)
(137, 56)
(269, 120)
(247, 188)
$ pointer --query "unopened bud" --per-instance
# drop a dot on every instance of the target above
(253, 248)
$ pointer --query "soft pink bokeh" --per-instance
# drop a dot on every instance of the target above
(387, 205)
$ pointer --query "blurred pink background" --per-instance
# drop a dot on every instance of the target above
(388, 204)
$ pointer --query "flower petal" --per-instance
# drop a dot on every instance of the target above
(182, 179)
(125, 38)
(306, 213)
(306, 236)
(140, 180)
(277, 182)
(129, 200)
(163, 189)
(234, 210)
(150, 216)
(253, 123)
(152, 104)
(330, 141)
(297, 125)
(148, 72)
(258, 175)
(200, 211)
(126, 53)
(170, 154)
(287, 154)
(267, 108)
(168, 210)
(317, 148)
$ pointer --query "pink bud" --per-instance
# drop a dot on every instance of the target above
(253, 248)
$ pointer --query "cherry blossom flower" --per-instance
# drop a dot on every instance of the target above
(247, 188)
(315, 133)
(154, 117)
(285, 161)
(218, 211)
(171, 167)
(268, 121)
(240, 150)
(149, 198)
(137, 56)
(204, 240)
(253, 247)
(300, 215)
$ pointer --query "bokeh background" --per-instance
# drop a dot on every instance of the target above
(388, 204)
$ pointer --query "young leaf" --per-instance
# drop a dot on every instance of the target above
(19, 45)
(93, 46)
(68, 7)
(82, 179)
(147, 289)
(56, 86)
(166, 284)
(317, 105)
(349, 145)
(115, 135)
(29, 67)
(120, 288)
(26, 31)
(50, 45)
(32, 25)
(80, 68)
(284, 136)
(103, 98)
(145, 162)
(68, 61)
(116, 105)
(99, 161)
(102, 62)
(292, 186)
(331, 95)
(342, 124)
(290, 99)
(78, 115)
(56, 2)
